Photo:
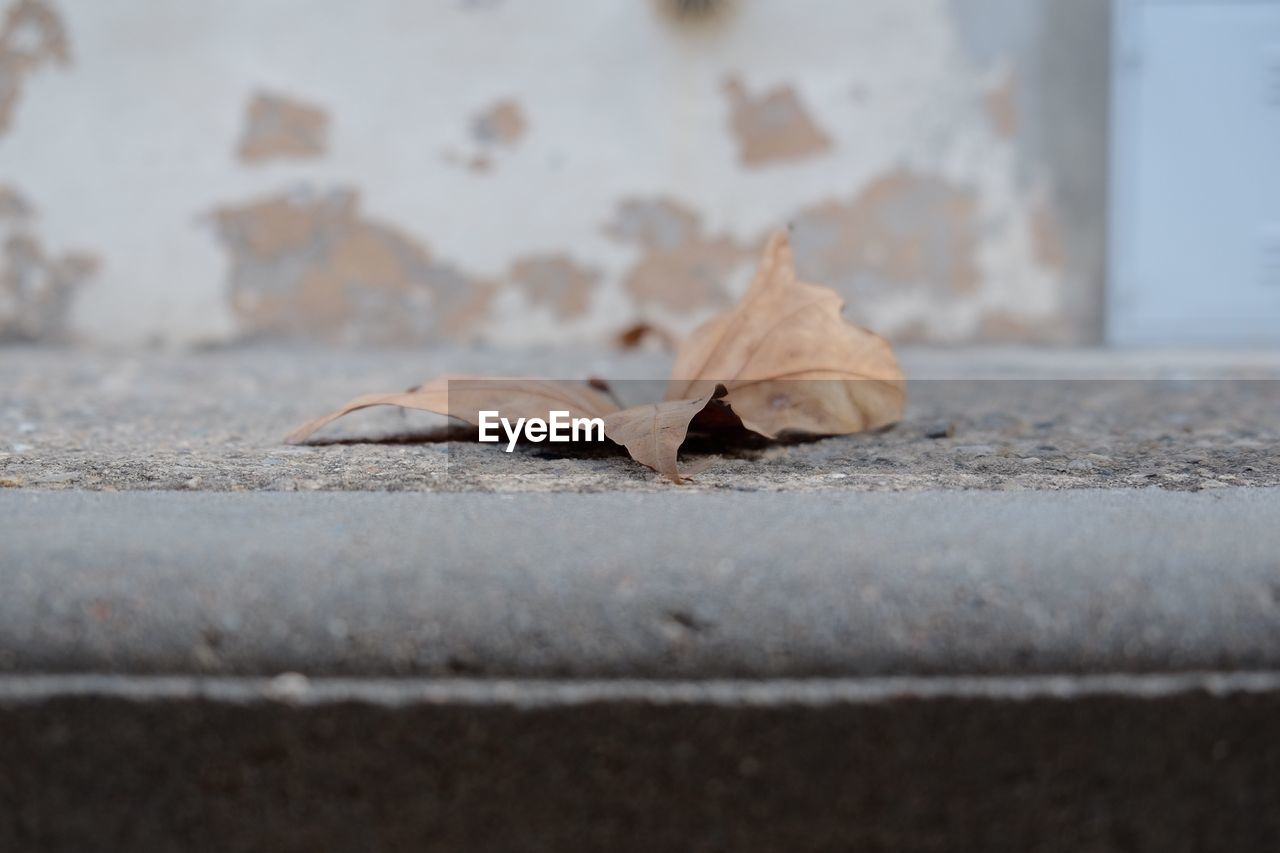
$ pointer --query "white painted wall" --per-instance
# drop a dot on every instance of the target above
(125, 152)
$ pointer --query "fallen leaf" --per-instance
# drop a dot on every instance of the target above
(464, 397)
(653, 433)
(790, 362)
(782, 361)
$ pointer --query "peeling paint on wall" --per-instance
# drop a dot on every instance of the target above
(501, 125)
(556, 281)
(680, 267)
(695, 13)
(37, 288)
(309, 265)
(943, 163)
(1056, 55)
(31, 37)
(772, 127)
(479, 163)
(280, 127)
(1006, 328)
(903, 231)
(1045, 237)
(13, 206)
(1001, 103)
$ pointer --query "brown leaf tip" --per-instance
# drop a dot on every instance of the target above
(778, 256)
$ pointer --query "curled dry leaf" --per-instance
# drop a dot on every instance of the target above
(790, 361)
(782, 361)
(464, 397)
(653, 434)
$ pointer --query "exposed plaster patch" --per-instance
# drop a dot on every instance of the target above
(280, 127)
(1045, 237)
(654, 223)
(556, 281)
(1059, 52)
(307, 265)
(695, 13)
(13, 205)
(500, 126)
(913, 332)
(503, 123)
(31, 37)
(479, 163)
(681, 268)
(902, 231)
(772, 127)
(1001, 104)
(997, 326)
(36, 287)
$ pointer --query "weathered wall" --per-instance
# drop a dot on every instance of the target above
(398, 171)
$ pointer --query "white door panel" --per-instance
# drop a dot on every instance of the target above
(1195, 231)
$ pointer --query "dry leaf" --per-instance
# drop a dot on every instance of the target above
(782, 361)
(653, 434)
(790, 362)
(465, 397)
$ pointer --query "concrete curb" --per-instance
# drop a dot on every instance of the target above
(667, 586)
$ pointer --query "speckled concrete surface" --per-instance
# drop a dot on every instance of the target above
(660, 586)
(214, 420)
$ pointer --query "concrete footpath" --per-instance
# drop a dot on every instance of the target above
(1016, 419)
